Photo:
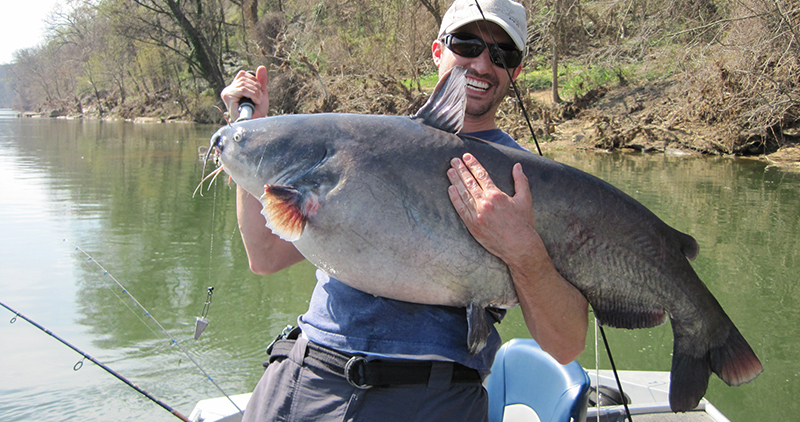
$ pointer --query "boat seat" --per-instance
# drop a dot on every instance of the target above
(527, 384)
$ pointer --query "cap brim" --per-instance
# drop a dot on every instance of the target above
(519, 42)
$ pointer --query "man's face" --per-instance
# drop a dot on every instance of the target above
(487, 84)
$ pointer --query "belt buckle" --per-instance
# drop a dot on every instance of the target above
(282, 336)
(355, 368)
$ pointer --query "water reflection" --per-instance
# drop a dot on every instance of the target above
(123, 193)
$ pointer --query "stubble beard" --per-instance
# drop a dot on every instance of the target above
(483, 108)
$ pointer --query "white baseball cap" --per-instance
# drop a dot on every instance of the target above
(508, 14)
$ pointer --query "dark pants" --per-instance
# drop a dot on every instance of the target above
(294, 390)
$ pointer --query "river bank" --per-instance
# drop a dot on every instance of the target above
(645, 118)
(652, 117)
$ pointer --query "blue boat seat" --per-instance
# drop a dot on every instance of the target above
(527, 384)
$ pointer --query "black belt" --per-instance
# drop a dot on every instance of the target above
(363, 372)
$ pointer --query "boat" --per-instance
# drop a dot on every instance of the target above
(527, 384)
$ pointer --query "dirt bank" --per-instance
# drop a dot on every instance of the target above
(645, 118)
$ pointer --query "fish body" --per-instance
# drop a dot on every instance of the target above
(364, 198)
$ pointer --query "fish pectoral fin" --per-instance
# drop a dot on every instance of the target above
(286, 210)
(478, 328)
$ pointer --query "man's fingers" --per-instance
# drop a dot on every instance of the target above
(522, 187)
(478, 172)
(262, 78)
(459, 194)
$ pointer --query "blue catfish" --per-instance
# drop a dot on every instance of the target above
(364, 198)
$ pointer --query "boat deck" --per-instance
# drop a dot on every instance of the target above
(649, 399)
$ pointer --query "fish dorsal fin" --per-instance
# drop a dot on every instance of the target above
(446, 106)
(287, 210)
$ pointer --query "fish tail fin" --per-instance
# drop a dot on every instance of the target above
(688, 380)
(478, 328)
(287, 210)
(732, 359)
(735, 362)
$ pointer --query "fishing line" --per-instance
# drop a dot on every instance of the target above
(172, 339)
(530, 127)
(79, 364)
(597, 367)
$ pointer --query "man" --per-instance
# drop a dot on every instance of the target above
(418, 352)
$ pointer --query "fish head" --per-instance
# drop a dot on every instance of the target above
(271, 151)
(243, 150)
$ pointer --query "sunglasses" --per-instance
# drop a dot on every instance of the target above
(469, 45)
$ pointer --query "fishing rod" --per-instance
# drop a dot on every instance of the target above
(78, 365)
(172, 339)
(536, 142)
(513, 82)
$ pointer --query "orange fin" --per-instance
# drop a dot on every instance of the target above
(287, 210)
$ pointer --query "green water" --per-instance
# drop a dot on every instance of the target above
(123, 193)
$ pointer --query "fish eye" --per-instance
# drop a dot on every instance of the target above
(238, 135)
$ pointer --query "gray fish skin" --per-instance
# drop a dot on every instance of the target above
(364, 198)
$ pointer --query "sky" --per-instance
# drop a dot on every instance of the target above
(22, 25)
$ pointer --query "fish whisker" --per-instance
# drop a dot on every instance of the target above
(213, 176)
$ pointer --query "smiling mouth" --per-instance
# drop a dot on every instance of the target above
(477, 85)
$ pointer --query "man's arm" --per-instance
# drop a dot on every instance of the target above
(555, 312)
(266, 252)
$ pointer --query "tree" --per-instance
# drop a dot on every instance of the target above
(191, 29)
(434, 7)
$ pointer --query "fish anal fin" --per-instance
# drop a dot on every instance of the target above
(287, 210)
(630, 319)
(479, 328)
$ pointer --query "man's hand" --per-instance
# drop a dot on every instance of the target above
(503, 224)
(250, 86)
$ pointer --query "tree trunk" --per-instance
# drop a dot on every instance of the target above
(204, 57)
(556, 44)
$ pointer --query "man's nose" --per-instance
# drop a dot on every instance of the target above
(483, 63)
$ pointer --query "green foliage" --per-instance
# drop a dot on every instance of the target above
(577, 80)
(537, 74)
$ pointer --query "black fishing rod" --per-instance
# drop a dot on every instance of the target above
(77, 366)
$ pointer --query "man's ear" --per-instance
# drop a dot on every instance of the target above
(516, 72)
(436, 51)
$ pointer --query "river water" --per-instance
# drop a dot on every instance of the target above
(123, 193)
